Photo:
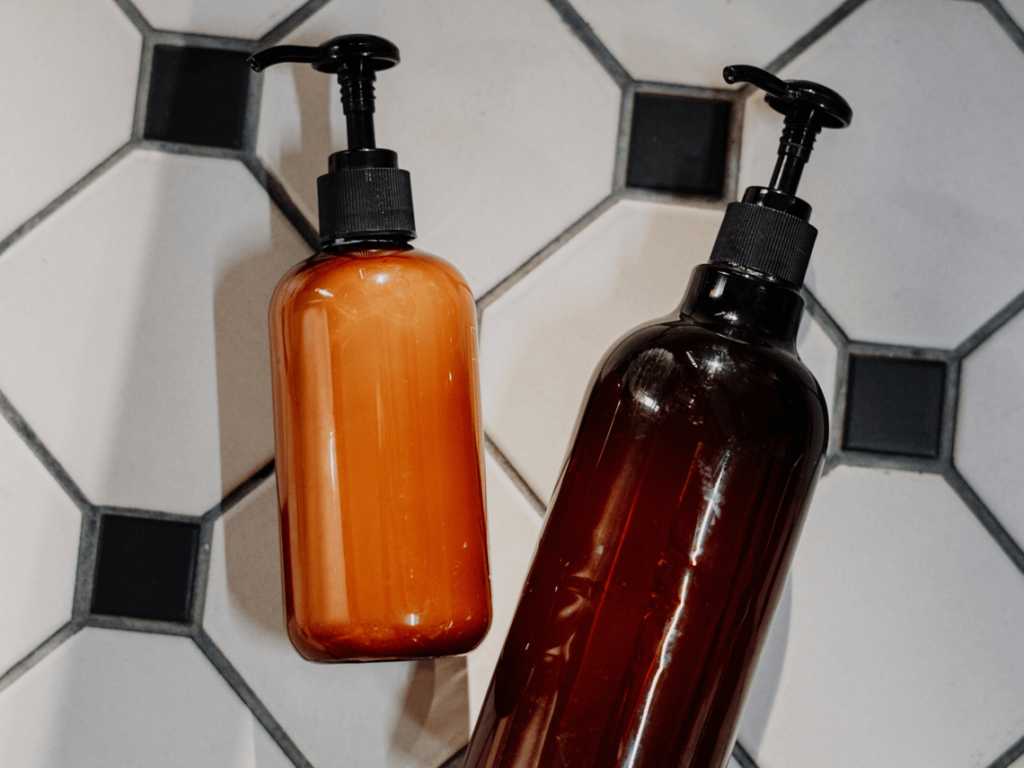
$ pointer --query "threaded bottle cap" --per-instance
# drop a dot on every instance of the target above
(766, 240)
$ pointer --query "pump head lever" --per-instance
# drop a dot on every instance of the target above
(808, 108)
(355, 59)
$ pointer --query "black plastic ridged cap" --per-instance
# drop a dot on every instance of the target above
(765, 240)
(365, 202)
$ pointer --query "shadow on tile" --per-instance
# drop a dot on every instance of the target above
(423, 706)
(758, 709)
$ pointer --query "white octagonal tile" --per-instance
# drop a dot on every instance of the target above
(505, 121)
(39, 529)
(512, 530)
(919, 221)
(393, 714)
(692, 42)
(251, 19)
(107, 699)
(133, 335)
(56, 132)
(990, 424)
(898, 640)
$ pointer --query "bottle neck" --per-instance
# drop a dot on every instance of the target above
(385, 242)
(728, 296)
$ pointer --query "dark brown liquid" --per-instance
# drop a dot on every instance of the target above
(667, 543)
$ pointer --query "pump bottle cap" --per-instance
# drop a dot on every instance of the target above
(768, 231)
(364, 194)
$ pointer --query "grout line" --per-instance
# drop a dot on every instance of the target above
(1004, 760)
(1004, 20)
(85, 568)
(197, 40)
(142, 88)
(201, 572)
(456, 760)
(734, 144)
(622, 138)
(990, 326)
(513, 474)
(292, 22)
(716, 202)
(585, 33)
(817, 32)
(279, 195)
(742, 756)
(251, 124)
(64, 197)
(194, 150)
(950, 406)
(146, 626)
(877, 349)
(898, 461)
(39, 653)
(540, 256)
(149, 514)
(828, 324)
(985, 517)
(251, 700)
(239, 492)
(29, 437)
(135, 16)
(837, 409)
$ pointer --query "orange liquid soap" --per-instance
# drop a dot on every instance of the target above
(379, 457)
(377, 429)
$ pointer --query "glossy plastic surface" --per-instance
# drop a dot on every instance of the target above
(379, 457)
(667, 543)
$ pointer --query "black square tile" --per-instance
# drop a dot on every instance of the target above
(145, 568)
(197, 96)
(894, 405)
(678, 144)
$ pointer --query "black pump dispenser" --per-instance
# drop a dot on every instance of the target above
(768, 231)
(364, 195)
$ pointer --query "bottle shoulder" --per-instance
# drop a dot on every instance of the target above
(361, 275)
(667, 358)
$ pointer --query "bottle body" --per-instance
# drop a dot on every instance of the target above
(666, 545)
(379, 456)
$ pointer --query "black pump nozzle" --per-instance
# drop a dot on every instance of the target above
(808, 108)
(364, 194)
(768, 231)
(356, 59)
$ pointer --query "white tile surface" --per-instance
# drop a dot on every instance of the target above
(1016, 10)
(512, 530)
(253, 18)
(54, 132)
(990, 424)
(919, 223)
(393, 714)
(107, 699)
(903, 634)
(692, 42)
(133, 330)
(541, 341)
(492, 104)
(39, 528)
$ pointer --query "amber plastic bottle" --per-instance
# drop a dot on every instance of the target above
(378, 435)
(674, 522)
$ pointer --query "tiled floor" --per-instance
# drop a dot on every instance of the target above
(573, 158)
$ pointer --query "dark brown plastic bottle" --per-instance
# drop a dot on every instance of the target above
(673, 525)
